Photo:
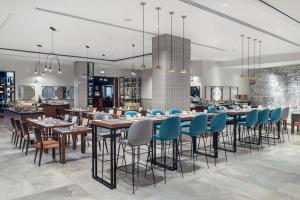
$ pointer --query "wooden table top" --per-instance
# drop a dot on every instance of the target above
(49, 123)
(76, 110)
(120, 123)
(67, 130)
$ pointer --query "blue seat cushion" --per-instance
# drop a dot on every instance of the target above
(185, 124)
(229, 118)
(243, 116)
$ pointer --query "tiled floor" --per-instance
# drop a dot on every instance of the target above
(269, 174)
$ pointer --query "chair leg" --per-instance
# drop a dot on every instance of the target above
(193, 144)
(133, 163)
(179, 157)
(224, 146)
(36, 152)
(17, 141)
(12, 137)
(41, 153)
(150, 155)
(118, 153)
(164, 149)
(27, 146)
(53, 153)
(105, 143)
(204, 143)
(23, 145)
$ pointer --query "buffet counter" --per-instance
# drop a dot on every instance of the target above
(55, 110)
(19, 114)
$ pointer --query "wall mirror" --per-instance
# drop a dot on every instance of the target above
(58, 92)
(26, 92)
(216, 93)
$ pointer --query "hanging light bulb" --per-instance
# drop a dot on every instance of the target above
(183, 71)
(171, 68)
(243, 76)
(132, 67)
(248, 76)
(259, 60)
(38, 66)
(157, 66)
(102, 67)
(52, 56)
(254, 60)
(143, 66)
(43, 73)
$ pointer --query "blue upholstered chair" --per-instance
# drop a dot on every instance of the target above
(130, 113)
(169, 131)
(211, 109)
(275, 115)
(250, 122)
(174, 111)
(263, 116)
(273, 120)
(197, 129)
(154, 112)
(217, 125)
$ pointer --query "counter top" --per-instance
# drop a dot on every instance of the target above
(27, 112)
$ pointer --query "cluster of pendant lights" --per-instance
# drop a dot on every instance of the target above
(50, 59)
(157, 66)
(256, 75)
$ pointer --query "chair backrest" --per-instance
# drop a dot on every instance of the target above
(170, 128)
(37, 134)
(275, 115)
(85, 121)
(211, 109)
(223, 108)
(175, 111)
(140, 132)
(131, 113)
(102, 115)
(263, 116)
(19, 126)
(154, 112)
(218, 122)
(74, 119)
(198, 124)
(66, 117)
(251, 118)
(25, 129)
(285, 113)
(13, 123)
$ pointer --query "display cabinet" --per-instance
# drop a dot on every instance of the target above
(7, 89)
(130, 92)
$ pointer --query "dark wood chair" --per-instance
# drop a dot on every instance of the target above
(14, 131)
(42, 144)
(19, 133)
(28, 137)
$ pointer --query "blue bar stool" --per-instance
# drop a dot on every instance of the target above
(211, 109)
(273, 120)
(217, 125)
(154, 112)
(169, 131)
(196, 130)
(262, 120)
(251, 120)
(283, 118)
(176, 111)
(130, 113)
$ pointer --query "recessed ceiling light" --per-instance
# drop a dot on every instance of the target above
(224, 4)
(127, 19)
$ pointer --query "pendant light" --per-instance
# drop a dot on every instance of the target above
(254, 60)
(248, 76)
(183, 71)
(38, 66)
(102, 67)
(171, 68)
(243, 75)
(259, 60)
(157, 66)
(52, 56)
(84, 75)
(143, 66)
(132, 67)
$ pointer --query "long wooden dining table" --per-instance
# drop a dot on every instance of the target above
(122, 123)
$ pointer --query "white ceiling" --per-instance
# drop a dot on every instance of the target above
(23, 24)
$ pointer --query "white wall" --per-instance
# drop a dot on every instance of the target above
(24, 72)
(146, 79)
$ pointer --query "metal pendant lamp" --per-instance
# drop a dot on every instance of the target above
(243, 76)
(102, 67)
(157, 66)
(183, 71)
(51, 57)
(38, 66)
(143, 66)
(171, 68)
(259, 61)
(132, 66)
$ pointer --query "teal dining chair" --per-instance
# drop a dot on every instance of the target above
(217, 125)
(130, 113)
(273, 121)
(169, 132)
(176, 111)
(156, 111)
(262, 120)
(211, 109)
(248, 124)
(197, 129)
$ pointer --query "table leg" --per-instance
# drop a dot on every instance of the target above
(82, 142)
(292, 127)
(234, 132)
(63, 148)
(74, 139)
(215, 144)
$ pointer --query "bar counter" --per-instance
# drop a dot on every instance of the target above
(22, 115)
